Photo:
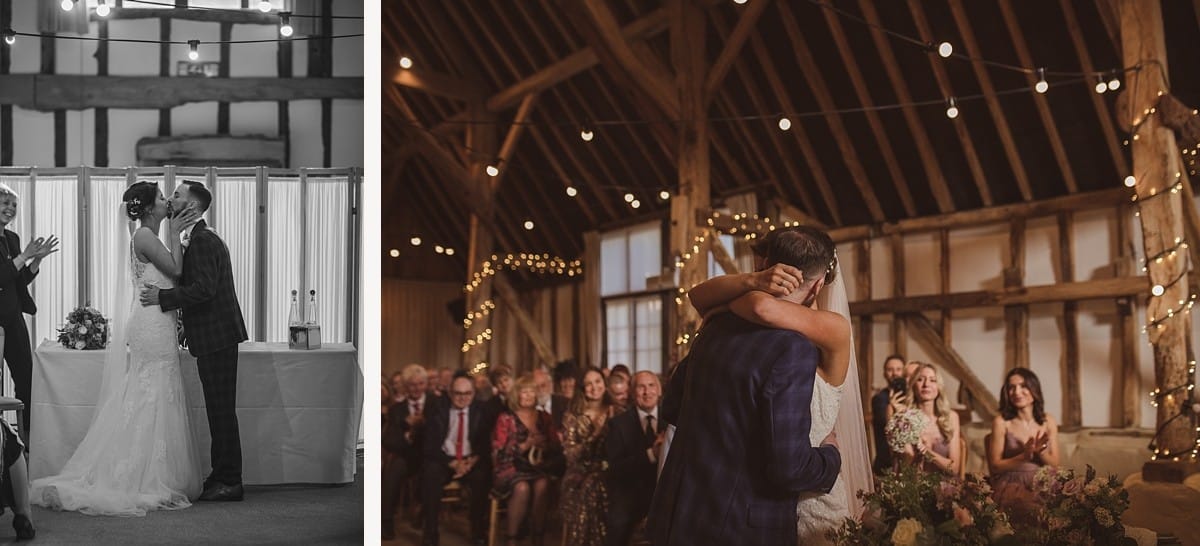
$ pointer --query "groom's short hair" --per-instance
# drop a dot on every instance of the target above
(201, 193)
(804, 247)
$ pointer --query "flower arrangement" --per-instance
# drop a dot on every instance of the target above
(1078, 509)
(85, 329)
(904, 429)
(911, 507)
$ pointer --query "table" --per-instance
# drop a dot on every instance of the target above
(298, 411)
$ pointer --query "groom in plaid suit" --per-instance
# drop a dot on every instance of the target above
(212, 321)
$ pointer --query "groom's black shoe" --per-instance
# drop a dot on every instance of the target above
(24, 527)
(219, 492)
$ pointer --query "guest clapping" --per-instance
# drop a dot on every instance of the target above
(584, 494)
(523, 441)
(937, 448)
(403, 441)
(633, 447)
(1024, 438)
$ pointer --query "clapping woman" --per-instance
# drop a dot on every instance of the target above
(523, 439)
(1024, 438)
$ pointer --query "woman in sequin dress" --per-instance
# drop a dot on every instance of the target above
(584, 496)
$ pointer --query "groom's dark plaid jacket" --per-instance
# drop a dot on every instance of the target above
(741, 453)
(212, 317)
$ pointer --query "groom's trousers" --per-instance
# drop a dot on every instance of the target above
(218, 376)
(18, 355)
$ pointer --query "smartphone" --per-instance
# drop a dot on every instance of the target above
(898, 385)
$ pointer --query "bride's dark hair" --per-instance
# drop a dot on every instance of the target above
(139, 199)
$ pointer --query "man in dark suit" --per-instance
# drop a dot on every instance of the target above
(212, 322)
(17, 269)
(740, 401)
(404, 441)
(457, 446)
(633, 445)
(893, 368)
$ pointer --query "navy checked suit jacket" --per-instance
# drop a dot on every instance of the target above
(212, 317)
(741, 453)
(14, 285)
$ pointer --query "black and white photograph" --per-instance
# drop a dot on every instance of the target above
(181, 197)
(755, 272)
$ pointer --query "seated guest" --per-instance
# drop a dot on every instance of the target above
(457, 447)
(548, 401)
(398, 388)
(622, 370)
(584, 495)
(523, 440)
(402, 442)
(937, 448)
(501, 378)
(618, 390)
(14, 483)
(893, 375)
(483, 387)
(565, 373)
(440, 382)
(1024, 438)
(633, 445)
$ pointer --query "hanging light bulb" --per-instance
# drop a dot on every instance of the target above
(1114, 82)
(10, 37)
(439, 249)
(1101, 87)
(102, 8)
(739, 1)
(785, 123)
(1157, 290)
(529, 225)
(194, 49)
(394, 253)
(635, 203)
(67, 5)
(416, 241)
(628, 197)
(1130, 181)
(945, 50)
(951, 108)
(285, 24)
(586, 134)
(449, 251)
(1041, 86)
(664, 195)
(571, 191)
(405, 63)
(264, 6)
(492, 170)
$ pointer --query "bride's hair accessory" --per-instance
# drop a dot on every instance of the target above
(831, 270)
(139, 199)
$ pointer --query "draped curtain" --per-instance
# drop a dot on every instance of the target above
(283, 252)
(327, 251)
(235, 199)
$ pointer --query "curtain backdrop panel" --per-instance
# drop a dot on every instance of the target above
(328, 213)
(283, 236)
(417, 329)
(108, 238)
(235, 201)
(56, 290)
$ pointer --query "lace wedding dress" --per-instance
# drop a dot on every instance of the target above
(139, 453)
(816, 513)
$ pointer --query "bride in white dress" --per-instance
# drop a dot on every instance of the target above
(835, 406)
(139, 453)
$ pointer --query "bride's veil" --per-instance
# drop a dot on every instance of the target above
(851, 426)
(116, 357)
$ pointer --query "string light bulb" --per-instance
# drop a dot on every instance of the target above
(405, 62)
(439, 249)
(449, 251)
(586, 135)
(285, 24)
(10, 37)
(194, 49)
(664, 195)
(102, 8)
(571, 191)
(529, 225)
(1101, 87)
(784, 123)
(1157, 290)
(264, 6)
(394, 253)
(1114, 83)
(739, 2)
(492, 171)
(67, 5)
(1130, 181)
(951, 108)
(635, 203)
(416, 241)
(629, 197)
(1041, 86)
(945, 50)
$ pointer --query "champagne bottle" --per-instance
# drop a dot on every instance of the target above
(310, 314)
(294, 314)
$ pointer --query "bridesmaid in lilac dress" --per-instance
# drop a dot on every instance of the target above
(937, 449)
(1024, 438)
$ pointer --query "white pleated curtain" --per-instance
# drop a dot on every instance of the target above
(235, 219)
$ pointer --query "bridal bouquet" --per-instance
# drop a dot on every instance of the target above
(904, 429)
(85, 328)
(911, 507)
(1078, 509)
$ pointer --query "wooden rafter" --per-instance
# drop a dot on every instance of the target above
(1102, 112)
(1111, 20)
(721, 254)
(593, 185)
(887, 154)
(816, 82)
(933, 169)
(944, 85)
(993, 104)
(543, 348)
(1039, 100)
(1100, 289)
(983, 401)
(733, 46)
(437, 83)
(509, 146)
(552, 159)
(416, 20)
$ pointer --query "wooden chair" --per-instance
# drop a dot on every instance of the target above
(453, 496)
(498, 510)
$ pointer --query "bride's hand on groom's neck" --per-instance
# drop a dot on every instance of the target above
(185, 219)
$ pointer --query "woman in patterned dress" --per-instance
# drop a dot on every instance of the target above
(584, 496)
(524, 438)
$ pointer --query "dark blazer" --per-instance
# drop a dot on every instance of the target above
(14, 284)
(630, 471)
(394, 441)
(741, 453)
(212, 318)
(879, 406)
(437, 426)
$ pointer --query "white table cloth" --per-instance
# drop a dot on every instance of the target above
(298, 411)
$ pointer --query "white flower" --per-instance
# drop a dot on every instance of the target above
(81, 330)
(906, 532)
(1103, 517)
(80, 345)
(1091, 488)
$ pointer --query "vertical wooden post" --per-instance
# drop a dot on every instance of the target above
(1072, 408)
(1131, 384)
(944, 266)
(482, 138)
(688, 59)
(866, 363)
(1155, 163)
(899, 332)
(1016, 317)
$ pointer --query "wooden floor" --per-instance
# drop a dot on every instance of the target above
(456, 531)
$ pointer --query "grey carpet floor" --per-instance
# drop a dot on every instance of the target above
(285, 514)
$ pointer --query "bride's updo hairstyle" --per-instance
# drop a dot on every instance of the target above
(804, 247)
(139, 199)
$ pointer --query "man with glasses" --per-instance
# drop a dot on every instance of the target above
(457, 447)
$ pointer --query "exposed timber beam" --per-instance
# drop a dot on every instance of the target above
(982, 400)
(1101, 289)
(46, 92)
(541, 346)
(237, 17)
(438, 84)
(722, 254)
(1102, 112)
(733, 46)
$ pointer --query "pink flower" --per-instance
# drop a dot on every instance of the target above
(1072, 487)
(963, 516)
